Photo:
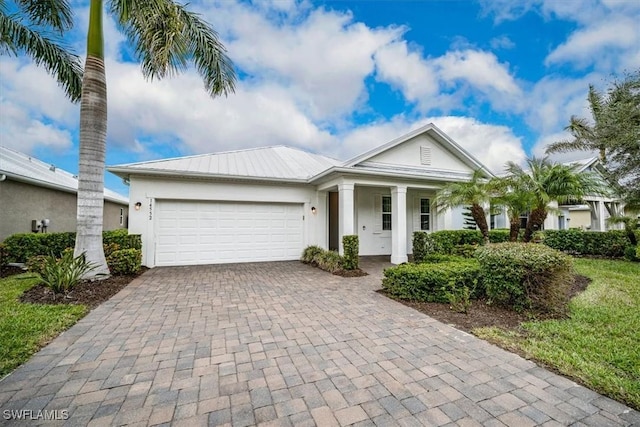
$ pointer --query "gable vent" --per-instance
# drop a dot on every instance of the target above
(425, 156)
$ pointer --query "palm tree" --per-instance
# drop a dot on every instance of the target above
(166, 38)
(548, 182)
(474, 193)
(26, 31)
(515, 199)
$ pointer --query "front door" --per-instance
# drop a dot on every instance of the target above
(334, 237)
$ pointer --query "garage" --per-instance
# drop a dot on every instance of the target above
(214, 232)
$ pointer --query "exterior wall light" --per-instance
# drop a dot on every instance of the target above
(138, 206)
(313, 210)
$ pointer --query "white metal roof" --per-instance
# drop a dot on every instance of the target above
(279, 162)
(23, 167)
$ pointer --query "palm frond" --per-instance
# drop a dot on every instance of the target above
(65, 66)
(56, 14)
(167, 37)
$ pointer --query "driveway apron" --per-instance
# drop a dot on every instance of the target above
(284, 344)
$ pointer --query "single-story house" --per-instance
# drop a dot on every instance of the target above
(267, 204)
(39, 197)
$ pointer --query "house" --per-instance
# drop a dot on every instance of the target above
(39, 197)
(590, 213)
(269, 203)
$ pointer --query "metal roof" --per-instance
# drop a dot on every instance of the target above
(278, 163)
(23, 167)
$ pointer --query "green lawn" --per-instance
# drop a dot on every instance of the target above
(600, 343)
(25, 328)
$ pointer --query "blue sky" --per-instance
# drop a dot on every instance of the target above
(501, 77)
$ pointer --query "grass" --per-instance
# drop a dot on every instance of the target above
(25, 328)
(599, 345)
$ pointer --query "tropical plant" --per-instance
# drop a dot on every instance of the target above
(516, 199)
(548, 182)
(166, 37)
(629, 220)
(62, 274)
(33, 29)
(475, 193)
(613, 131)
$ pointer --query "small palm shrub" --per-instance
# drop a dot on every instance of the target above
(326, 260)
(351, 249)
(310, 253)
(61, 275)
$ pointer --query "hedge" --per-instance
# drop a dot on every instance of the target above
(125, 261)
(21, 247)
(610, 243)
(525, 275)
(433, 281)
(453, 242)
(351, 249)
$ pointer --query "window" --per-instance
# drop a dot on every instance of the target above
(386, 212)
(121, 216)
(425, 214)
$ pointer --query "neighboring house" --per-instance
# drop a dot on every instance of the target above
(592, 212)
(32, 191)
(268, 204)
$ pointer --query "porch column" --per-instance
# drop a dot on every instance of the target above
(345, 212)
(398, 225)
(602, 216)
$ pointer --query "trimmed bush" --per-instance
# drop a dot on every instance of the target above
(423, 246)
(630, 253)
(351, 246)
(499, 235)
(433, 282)
(525, 276)
(610, 244)
(36, 264)
(4, 256)
(465, 251)
(125, 261)
(21, 247)
(638, 251)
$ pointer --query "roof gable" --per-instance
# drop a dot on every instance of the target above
(426, 148)
(23, 167)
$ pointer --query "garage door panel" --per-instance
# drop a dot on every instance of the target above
(216, 232)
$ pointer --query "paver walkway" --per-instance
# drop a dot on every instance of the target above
(285, 344)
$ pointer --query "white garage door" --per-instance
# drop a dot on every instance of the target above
(221, 232)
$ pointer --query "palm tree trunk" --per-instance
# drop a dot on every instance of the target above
(514, 229)
(93, 137)
(477, 212)
(536, 219)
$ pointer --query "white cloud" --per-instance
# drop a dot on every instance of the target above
(407, 70)
(539, 149)
(594, 43)
(502, 42)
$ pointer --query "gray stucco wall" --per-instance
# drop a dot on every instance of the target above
(21, 202)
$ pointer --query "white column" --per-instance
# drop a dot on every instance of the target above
(398, 225)
(601, 216)
(345, 212)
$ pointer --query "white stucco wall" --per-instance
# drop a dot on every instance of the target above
(148, 190)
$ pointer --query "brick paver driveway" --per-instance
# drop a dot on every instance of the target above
(285, 344)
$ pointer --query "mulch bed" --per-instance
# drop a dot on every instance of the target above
(89, 293)
(481, 314)
(351, 273)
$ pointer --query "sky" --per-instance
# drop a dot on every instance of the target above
(501, 77)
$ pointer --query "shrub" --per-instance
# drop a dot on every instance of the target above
(638, 251)
(630, 253)
(62, 274)
(422, 246)
(351, 245)
(329, 261)
(309, 254)
(465, 251)
(21, 247)
(110, 248)
(4, 256)
(526, 276)
(125, 261)
(36, 264)
(432, 282)
(610, 243)
(499, 235)
(459, 299)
